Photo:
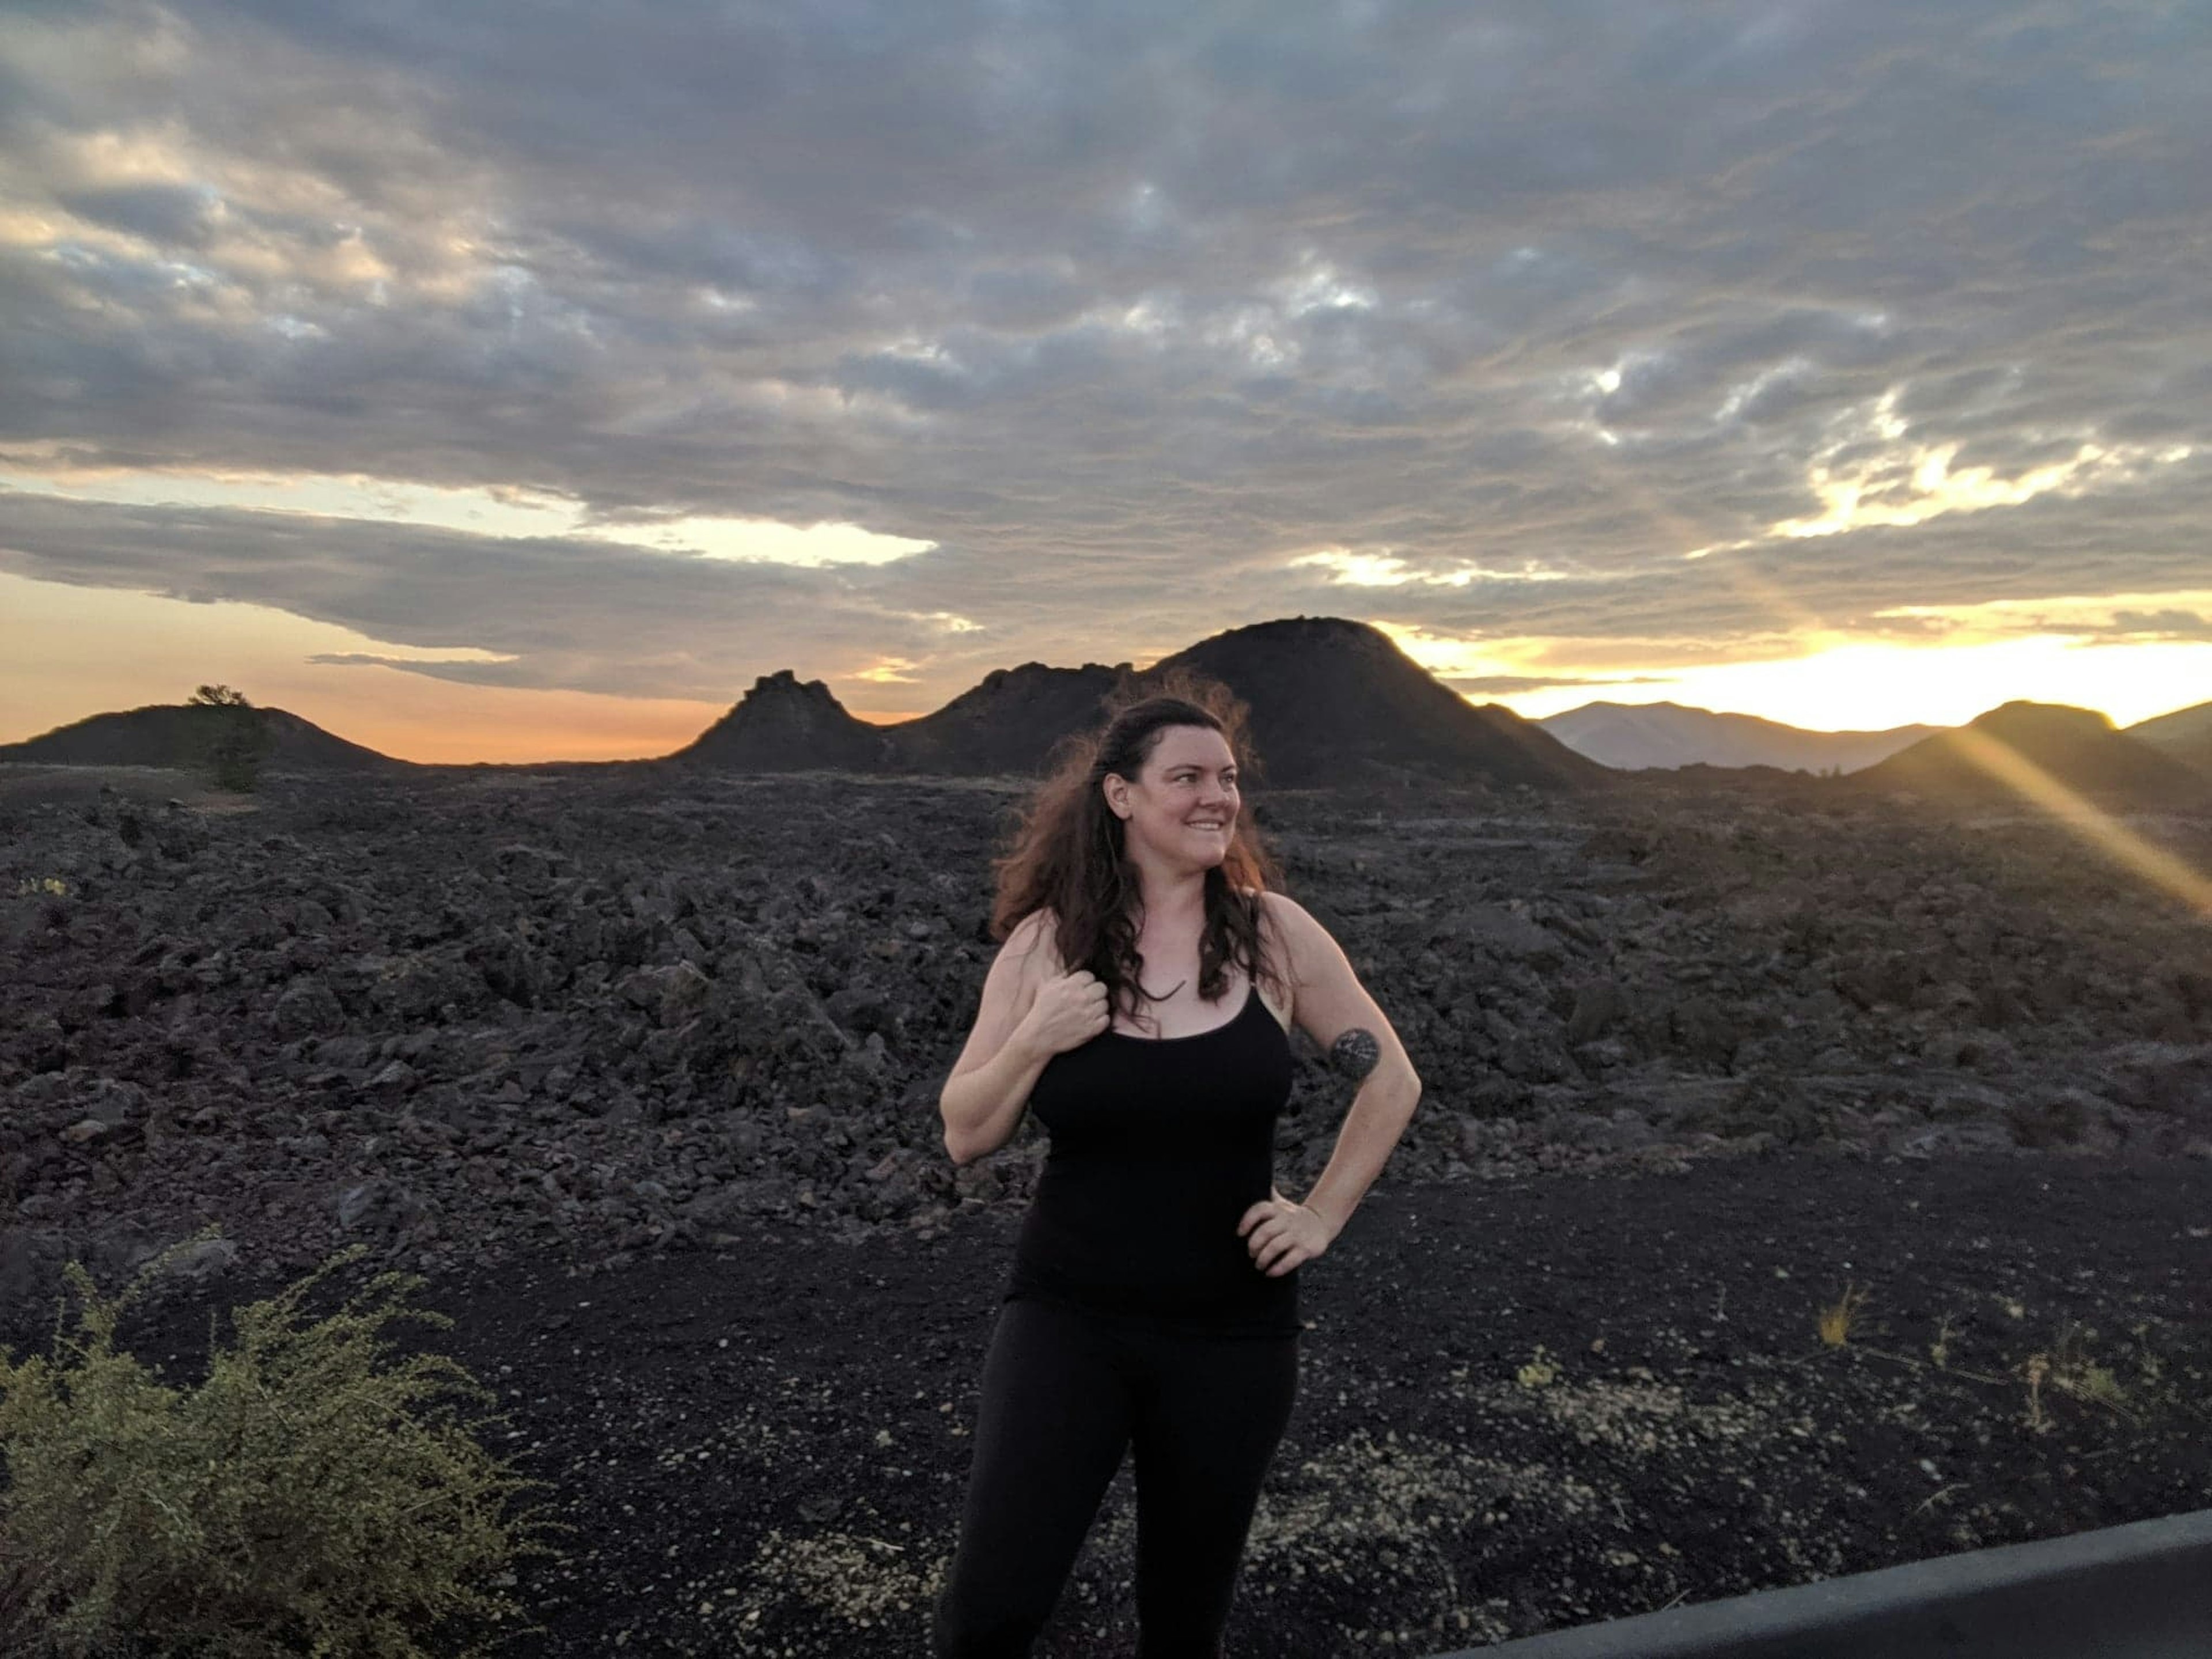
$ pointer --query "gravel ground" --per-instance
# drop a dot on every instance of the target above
(1524, 1403)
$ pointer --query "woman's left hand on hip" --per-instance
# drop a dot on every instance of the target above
(1281, 1235)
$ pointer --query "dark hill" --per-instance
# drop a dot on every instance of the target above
(2185, 734)
(1008, 722)
(1335, 702)
(173, 734)
(1332, 702)
(2079, 747)
(786, 724)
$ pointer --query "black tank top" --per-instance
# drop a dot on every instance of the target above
(1159, 1145)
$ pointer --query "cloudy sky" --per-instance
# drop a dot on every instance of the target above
(512, 381)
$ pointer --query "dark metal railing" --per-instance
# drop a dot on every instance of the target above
(2141, 1591)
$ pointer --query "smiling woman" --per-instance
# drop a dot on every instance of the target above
(1152, 1302)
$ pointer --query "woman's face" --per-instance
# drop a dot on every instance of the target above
(1184, 802)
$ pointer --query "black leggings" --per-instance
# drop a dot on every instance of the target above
(1063, 1395)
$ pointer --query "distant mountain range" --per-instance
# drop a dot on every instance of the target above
(1635, 737)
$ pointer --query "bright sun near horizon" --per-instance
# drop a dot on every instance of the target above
(1635, 356)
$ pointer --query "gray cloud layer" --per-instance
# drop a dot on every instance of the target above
(1151, 296)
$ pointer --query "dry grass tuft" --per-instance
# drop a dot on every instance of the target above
(1838, 1320)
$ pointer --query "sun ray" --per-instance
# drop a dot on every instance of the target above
(2098, 828)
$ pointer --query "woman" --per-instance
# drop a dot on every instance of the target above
(1139, 1004)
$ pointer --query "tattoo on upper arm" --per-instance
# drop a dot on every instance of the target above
(1356, 1052)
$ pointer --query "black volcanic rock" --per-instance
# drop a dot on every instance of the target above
(1335, 702)
(2185, 734)
(459, 1014)
(173, 734)
(786, 724)
(2078, 747)
(1008, 723)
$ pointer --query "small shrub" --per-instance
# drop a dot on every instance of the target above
(1538, 1372)
(1940, 1349)
(1838, 1321)
(235, 739)
(2149, 1367)
(302, 1500)
(2075, 1374)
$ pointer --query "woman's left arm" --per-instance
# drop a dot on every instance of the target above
(1334, 1009)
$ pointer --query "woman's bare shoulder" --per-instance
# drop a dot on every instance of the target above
(1278, 932)
(1036, 938)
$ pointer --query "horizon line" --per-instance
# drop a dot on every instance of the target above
(882, 720)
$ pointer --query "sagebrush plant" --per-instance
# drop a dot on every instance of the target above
(306, 1498)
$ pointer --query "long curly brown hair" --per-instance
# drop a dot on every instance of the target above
(1067, 851)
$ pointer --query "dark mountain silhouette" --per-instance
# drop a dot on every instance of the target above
(1007, 723)
(787, 725)
(1332, 701)
(1636, 737)
(2185, 734)
(2079, 747)
(173, 735)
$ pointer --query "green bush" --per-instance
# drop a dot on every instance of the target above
(302, 1499)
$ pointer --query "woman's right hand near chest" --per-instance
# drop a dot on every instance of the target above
(1070, 1010)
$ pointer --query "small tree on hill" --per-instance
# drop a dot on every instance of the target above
(236, 738)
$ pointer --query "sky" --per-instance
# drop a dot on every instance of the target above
(519, 382)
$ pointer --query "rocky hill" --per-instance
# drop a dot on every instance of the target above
(174, 735)
(1332, 702)
(1335, 704)
(787, 725)
(2185, 734)
(1008, 722)
(1636, 737)
(2079, 748)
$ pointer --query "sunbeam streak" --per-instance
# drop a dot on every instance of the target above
(2102, 831)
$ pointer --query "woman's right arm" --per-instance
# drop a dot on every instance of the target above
(989, 1090)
